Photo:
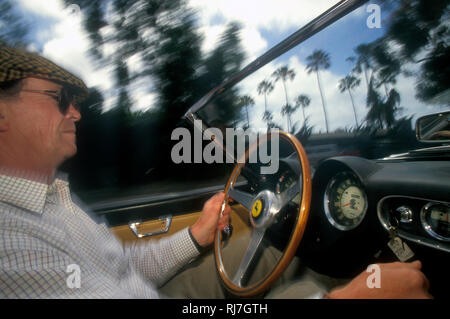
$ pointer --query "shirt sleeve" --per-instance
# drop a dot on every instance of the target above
(159, 260)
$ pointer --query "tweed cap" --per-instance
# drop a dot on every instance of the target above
(16, 64)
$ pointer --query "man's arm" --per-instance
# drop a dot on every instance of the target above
(159, 260)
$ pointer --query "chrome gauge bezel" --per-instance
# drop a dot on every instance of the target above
(426, 226)
(326, 200)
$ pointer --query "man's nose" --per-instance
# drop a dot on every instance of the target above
(73, 113)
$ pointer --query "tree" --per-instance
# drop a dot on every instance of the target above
(363, 62)
(347, 84)
(246, 101)
(222, 63)
(265, 87)
(421, 35)
(381, 113)
(162, 35)
(302, 101)
(288, 110)
(319, 59)
(284, 73)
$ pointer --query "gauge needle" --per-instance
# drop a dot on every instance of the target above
(348, 204)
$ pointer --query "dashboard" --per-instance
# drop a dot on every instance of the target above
(359, 205)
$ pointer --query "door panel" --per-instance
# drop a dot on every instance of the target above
(239, 219)
(125, 234)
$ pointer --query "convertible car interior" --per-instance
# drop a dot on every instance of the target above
(345, 194)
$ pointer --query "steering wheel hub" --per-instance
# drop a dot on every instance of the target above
(263, 210)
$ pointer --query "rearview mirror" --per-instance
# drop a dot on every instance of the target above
(434, 128)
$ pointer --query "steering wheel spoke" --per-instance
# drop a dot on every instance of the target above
(243, 198)
(255, 242)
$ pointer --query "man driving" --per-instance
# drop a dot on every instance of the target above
(45, 235)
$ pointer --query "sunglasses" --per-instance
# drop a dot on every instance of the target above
(63, 97)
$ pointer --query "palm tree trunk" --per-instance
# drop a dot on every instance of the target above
(265, 102)
(285, 92)
(366, 77)
(290, 123)
(353, 104)
(323, 101)
(248, 121)
(287, 102)
(304, 117)
(287, 121)
(265, 108)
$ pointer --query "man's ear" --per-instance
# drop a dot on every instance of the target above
(4, 124)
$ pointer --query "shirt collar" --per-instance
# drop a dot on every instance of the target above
(27, 194)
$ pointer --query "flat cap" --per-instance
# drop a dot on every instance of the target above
(16, 64)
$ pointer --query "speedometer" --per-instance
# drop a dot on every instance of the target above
(345, 201)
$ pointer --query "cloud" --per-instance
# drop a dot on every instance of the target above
(278, 15)
(49, 9)
(255, 16)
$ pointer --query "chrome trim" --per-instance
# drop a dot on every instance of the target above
(414, 238)
(326, 201)
(126, 204)
(427, 227)
(167, 219)
(423, 241)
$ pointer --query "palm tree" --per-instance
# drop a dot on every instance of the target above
(319, 60)
(265, 87)
(382, 113)
(363, 62)
(246, 101)
(284, 73)
(347, 84)
(288, 110)
(302, 101)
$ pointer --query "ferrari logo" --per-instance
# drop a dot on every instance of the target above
(256, 208)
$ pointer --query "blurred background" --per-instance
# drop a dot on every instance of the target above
(355, 88)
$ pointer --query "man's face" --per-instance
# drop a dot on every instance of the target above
(43, 135)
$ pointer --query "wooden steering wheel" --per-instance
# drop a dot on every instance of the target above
(263, 209)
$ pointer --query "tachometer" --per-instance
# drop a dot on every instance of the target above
(345, 201)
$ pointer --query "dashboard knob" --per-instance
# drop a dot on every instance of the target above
(405, 214)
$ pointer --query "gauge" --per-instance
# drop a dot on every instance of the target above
(435, 218)
(345, 201)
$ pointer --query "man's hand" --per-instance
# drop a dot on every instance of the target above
(398, 281)
(210, 222)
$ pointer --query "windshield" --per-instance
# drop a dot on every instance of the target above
(355, 88)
